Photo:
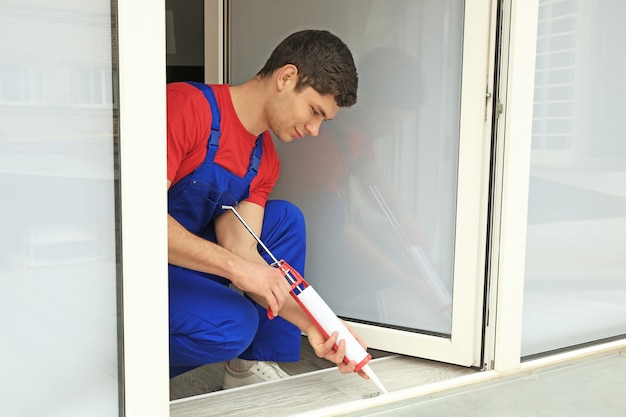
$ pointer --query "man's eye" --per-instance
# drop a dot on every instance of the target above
(315, 112)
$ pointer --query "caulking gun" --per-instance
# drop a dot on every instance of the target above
(318, 311)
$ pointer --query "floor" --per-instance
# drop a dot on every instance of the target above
(594, 385)
(208, 378)
(314, 384)
(592, 388)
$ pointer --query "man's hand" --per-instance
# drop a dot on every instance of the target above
(264, 283)
(235, 258)
(325, 348)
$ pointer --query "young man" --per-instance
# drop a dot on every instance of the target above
(220, 152)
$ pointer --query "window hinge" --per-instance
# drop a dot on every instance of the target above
(499, 108)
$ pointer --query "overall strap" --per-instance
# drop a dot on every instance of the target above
(255, 158)
(213, 143)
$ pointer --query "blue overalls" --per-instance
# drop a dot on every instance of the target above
(210, 322)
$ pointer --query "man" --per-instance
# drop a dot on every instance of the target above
(220, 152)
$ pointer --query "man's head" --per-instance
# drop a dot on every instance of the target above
(324, 63)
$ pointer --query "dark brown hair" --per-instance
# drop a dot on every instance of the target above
(324, 63)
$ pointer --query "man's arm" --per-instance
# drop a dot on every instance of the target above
(239, 261)
(233, 235)
(190, 251)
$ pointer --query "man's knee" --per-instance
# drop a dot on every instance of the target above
(237, 335)
(285, 215)
(284, 232)
(215, 342)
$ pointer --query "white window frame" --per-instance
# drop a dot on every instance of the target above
(464, 345)
(514, 133)
(141, 34)
(141, 52)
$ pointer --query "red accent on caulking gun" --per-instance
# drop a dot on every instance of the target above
(288, 269)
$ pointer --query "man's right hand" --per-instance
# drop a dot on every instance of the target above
(263, 283)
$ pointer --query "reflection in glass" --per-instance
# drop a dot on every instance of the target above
(378, 185)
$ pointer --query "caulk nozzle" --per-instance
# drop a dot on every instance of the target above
(370, 373)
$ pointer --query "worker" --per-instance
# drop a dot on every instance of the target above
(221, 152)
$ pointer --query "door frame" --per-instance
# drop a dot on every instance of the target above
(464, 346)
(144, 343)
(141, 35)
(513, 134)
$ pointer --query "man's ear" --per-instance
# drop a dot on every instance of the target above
(286, 77)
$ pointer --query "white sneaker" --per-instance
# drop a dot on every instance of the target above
(259, 372)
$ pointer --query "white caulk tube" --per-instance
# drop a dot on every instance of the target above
(326, 320)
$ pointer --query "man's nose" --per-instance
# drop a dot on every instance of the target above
(313, 127)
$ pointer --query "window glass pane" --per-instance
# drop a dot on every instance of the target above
(58, 279)
(575, 289)
(378, 185)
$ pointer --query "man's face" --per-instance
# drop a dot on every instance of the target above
(293, 115)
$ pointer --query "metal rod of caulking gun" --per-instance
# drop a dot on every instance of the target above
(366, 368)
(260, 242)
(231, 208)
